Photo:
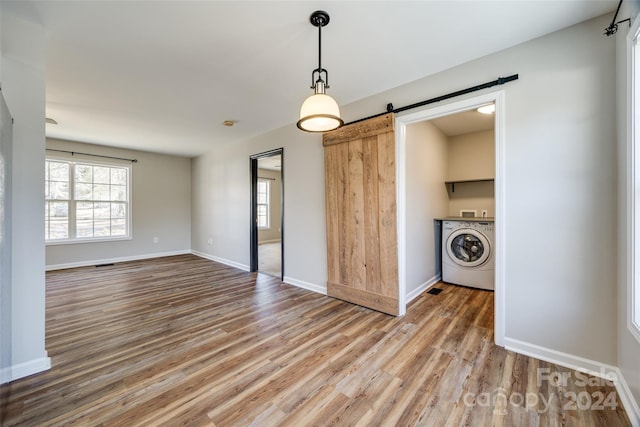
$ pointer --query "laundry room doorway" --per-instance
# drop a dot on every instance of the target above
(458, 175)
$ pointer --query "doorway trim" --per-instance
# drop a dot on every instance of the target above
(253, 220)
(498, 97)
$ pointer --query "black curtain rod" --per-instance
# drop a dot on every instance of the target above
(94, 155)
(390, 109)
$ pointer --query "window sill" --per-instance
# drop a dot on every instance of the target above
(77, 241)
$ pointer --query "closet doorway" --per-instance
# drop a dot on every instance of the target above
(496, 98)
(267, 213)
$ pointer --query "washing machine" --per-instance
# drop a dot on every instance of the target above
(468, 257)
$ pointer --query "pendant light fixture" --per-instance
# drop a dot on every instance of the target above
(319, 112)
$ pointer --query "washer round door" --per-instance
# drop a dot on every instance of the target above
(468, 248)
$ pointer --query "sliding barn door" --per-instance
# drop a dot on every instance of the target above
(360, 185)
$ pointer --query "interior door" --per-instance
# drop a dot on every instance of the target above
(360, 189)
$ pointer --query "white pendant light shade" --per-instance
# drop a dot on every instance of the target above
(319, 113)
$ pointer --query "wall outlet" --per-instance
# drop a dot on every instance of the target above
(155, 240)
(209, 241)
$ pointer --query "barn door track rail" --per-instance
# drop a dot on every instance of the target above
(391, 109)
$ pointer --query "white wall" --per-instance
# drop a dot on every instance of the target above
(160, 203)
(221, 203)
(471, 156)
(477, 196)
(559, 188)
(628, 346)
(6, 159)
(426, 168)
(22, 75)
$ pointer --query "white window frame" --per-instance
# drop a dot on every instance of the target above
(268, 204)
(72, 239)
(633, 144)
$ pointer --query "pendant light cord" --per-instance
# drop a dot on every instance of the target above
(319, 50)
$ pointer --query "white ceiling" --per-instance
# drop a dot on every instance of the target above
(464, 122)
(162, 76)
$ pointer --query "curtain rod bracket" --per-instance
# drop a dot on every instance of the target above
(613, 27)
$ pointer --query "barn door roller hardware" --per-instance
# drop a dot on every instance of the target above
(390, 109)
(613, 27)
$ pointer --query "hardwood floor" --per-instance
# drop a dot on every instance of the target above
(186, 341)
(270, 258)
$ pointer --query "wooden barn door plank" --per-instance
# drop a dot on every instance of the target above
(360, 190)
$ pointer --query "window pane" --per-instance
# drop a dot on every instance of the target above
(119, 192)
(101, 192)
(58, 171)
(58, 210)
(58, 220)
(58, 190)
(263, 217)
(84, 228)
(119, 227)
(58, 229)
(118, 176)
(102, 227)
(46, 220)
(118, 210)
(84, 192)
(84, 210)
(102, 210)
(84, 173)
(101, 175)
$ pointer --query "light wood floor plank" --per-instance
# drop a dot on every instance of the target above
(187, 341)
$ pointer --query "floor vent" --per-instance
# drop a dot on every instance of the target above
(105, 265)
(434, 291)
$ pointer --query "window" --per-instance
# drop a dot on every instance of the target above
(86, 201)
(263, 203)
(634, 143)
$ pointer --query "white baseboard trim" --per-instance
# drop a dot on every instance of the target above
(425, 286)
(305, 285)
(581, 364)
(221, 260)
(591, 367)
(24, 369)
(114, 260)
(269, 241)
(626, 397)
